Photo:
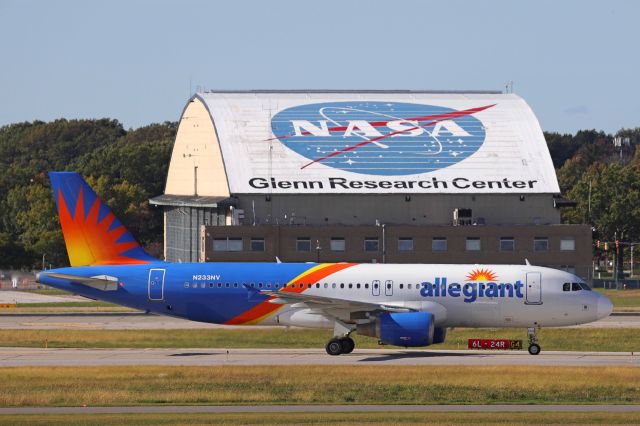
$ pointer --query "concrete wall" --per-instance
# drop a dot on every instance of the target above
(415, 209)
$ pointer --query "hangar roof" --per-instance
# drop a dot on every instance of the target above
(378, 142)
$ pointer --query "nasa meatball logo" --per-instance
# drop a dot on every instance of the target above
(380, 138)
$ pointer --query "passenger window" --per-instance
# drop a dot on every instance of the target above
(375, 285)
(268, 285)
(252, 285)
(401, 286)
(326, 285)
(186, 284)
(566, 287)
(235, 285)
(575, 287)
(358, 285)
(409, 286)
(317, 285)
(194, 285)
(366, 285)
(308, 285)
(333, 285)
(350, 285)
(277, 285)
(210, 285)
(219, 285)
(301, 285)
(259, 285)
(203, 285)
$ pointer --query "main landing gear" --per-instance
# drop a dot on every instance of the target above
(340, 345)
(534, 347)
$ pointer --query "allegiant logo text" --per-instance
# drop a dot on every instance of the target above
(471, 291)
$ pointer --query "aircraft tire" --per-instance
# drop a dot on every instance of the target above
(534, 349)
(334, 347)
(347, 345)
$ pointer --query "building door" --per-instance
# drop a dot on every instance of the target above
(534, 288)
(388, 288)
(156, 284)
(375, 287)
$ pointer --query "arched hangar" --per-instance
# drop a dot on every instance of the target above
(367, 176)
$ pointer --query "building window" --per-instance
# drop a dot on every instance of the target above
(227, 244)
(371, 244)
(568, 244)
(338, 244)
(540, 244)
(405, 244)
(257, 244)
(473, 244)
(507, 244)
(303, 244)
(439, 244)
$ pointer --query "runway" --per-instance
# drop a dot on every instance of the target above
(24, 357)
(219, 409)
(139, 320)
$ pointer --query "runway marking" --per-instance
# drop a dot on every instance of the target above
(501, 408)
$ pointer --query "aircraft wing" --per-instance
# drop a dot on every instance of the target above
(330, 303)
(102, 282)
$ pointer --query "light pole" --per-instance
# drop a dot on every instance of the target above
(318, 251)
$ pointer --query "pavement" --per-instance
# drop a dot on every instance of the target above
(498, 408)
(11, 296)
(24, 357)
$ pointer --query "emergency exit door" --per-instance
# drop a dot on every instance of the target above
(156, 284)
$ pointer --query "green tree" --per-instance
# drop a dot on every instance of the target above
(608, 197)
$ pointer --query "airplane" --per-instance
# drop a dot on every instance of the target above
(406, 305)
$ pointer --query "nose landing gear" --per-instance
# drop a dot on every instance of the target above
(534, 347)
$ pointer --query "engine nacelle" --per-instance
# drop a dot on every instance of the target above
(401, 328)
(439, 334)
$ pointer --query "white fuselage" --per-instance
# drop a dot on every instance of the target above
(458, 295)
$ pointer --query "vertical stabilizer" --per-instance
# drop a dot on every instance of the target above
(92, 234)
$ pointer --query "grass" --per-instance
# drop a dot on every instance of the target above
(623, 299)
(338, 384)
(344, 419)
(566, 339)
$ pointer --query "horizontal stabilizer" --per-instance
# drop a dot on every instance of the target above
(102, 282)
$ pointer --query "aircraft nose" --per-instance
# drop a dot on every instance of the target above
(604, 308)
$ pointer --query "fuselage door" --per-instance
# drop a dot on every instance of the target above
(534, 288)
(375, 287)
(388, 288)
(156, 284)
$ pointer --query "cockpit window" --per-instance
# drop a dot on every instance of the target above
(566, 287)
(575, 287)
(585, 286)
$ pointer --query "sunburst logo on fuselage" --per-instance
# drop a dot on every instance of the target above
(482, 275)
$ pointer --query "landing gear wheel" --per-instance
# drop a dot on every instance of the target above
(534, 349)
(347, 345)
(334, 347)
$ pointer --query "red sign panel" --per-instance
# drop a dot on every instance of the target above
(494, 344)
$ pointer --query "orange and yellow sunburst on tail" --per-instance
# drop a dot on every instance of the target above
(482, 275)
(92, 234)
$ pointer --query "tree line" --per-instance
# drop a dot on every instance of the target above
(127, 167)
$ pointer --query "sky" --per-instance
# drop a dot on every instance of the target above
(575, 62)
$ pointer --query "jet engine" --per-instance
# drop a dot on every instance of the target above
(406, 329)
